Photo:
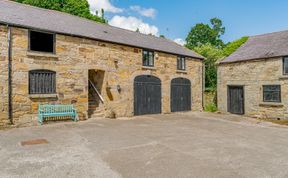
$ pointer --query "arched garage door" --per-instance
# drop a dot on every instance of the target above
(180, 95)
(147, 95)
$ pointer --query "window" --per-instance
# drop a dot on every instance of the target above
(41, 42)
(272, 93)
(42, 82)
(285, 65)
(181, 63)
(148, 58)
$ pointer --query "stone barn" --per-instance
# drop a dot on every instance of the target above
(254, 80)
(49, 57)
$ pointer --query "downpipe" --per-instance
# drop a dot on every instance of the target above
(10, 106)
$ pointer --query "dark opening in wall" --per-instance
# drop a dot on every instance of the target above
(42, 42)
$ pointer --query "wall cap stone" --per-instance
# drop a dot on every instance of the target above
(271, 104)
(35, 96)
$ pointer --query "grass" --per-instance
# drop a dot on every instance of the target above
(211, 107)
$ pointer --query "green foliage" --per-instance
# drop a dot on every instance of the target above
(212, 55)
(211, 107)
(202, 34)
(233, 46)
(75, 7)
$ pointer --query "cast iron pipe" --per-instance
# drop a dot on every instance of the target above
(10, 109)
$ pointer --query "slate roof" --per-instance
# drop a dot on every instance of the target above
(261, 47)
(26, 16)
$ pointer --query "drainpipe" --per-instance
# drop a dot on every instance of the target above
(203, 84)
(10, 113)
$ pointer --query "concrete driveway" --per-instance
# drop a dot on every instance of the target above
(177, 145)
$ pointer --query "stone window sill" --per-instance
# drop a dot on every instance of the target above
(284, 77)
(182, 71)
(148, 68)
(40, 96)
(271, 104)
(41, 54)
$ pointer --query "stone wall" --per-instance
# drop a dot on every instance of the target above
(253, 75)
(74, 57)
(3, 76)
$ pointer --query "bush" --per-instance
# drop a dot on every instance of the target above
(211, 107)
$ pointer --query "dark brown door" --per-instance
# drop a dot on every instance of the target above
(180, 95)
(236, 99)
(147, 95)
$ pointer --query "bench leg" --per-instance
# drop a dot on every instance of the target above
(40, 119)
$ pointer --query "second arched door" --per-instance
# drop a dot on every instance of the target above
(180, 95)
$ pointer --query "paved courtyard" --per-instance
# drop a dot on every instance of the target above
(176, 145)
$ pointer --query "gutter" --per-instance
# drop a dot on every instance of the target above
(10, 109)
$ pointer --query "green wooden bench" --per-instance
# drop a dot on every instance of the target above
(56, 111)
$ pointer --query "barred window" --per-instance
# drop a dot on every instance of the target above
(148, 58)
(42, 82)
(181, 63)
(272, 93)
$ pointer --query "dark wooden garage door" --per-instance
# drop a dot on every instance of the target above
(236, 99)
(180, 95)
(147, 95)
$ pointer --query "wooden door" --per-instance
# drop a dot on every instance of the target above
(236, 99)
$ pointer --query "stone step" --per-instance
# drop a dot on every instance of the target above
(97, 115)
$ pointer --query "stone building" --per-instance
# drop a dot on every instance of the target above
(253, 80)
(56, 58)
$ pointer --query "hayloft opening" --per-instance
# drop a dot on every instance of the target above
(41, 42)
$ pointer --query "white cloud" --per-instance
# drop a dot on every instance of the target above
(180, 41)
(97, 5)
(133, 23)
(150, 12)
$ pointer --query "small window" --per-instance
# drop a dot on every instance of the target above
(285, 65)
(148, 58)
(272, 93)
(42, 82)
(41, 42)
(181, 63)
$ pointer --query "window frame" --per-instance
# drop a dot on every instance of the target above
(47, 71)
(29, 41)
(153, 58)
(270, 101)
(181, 67)
(283, 65)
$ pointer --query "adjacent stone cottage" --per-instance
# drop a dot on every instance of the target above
(254, 80)
(52, 57)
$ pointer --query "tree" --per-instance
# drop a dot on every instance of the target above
(212, 55)
(75, 7)
(202, 34)
(233, 46)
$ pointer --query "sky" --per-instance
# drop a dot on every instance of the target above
(174, 19)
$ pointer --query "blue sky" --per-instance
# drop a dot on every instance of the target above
(174, 19)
